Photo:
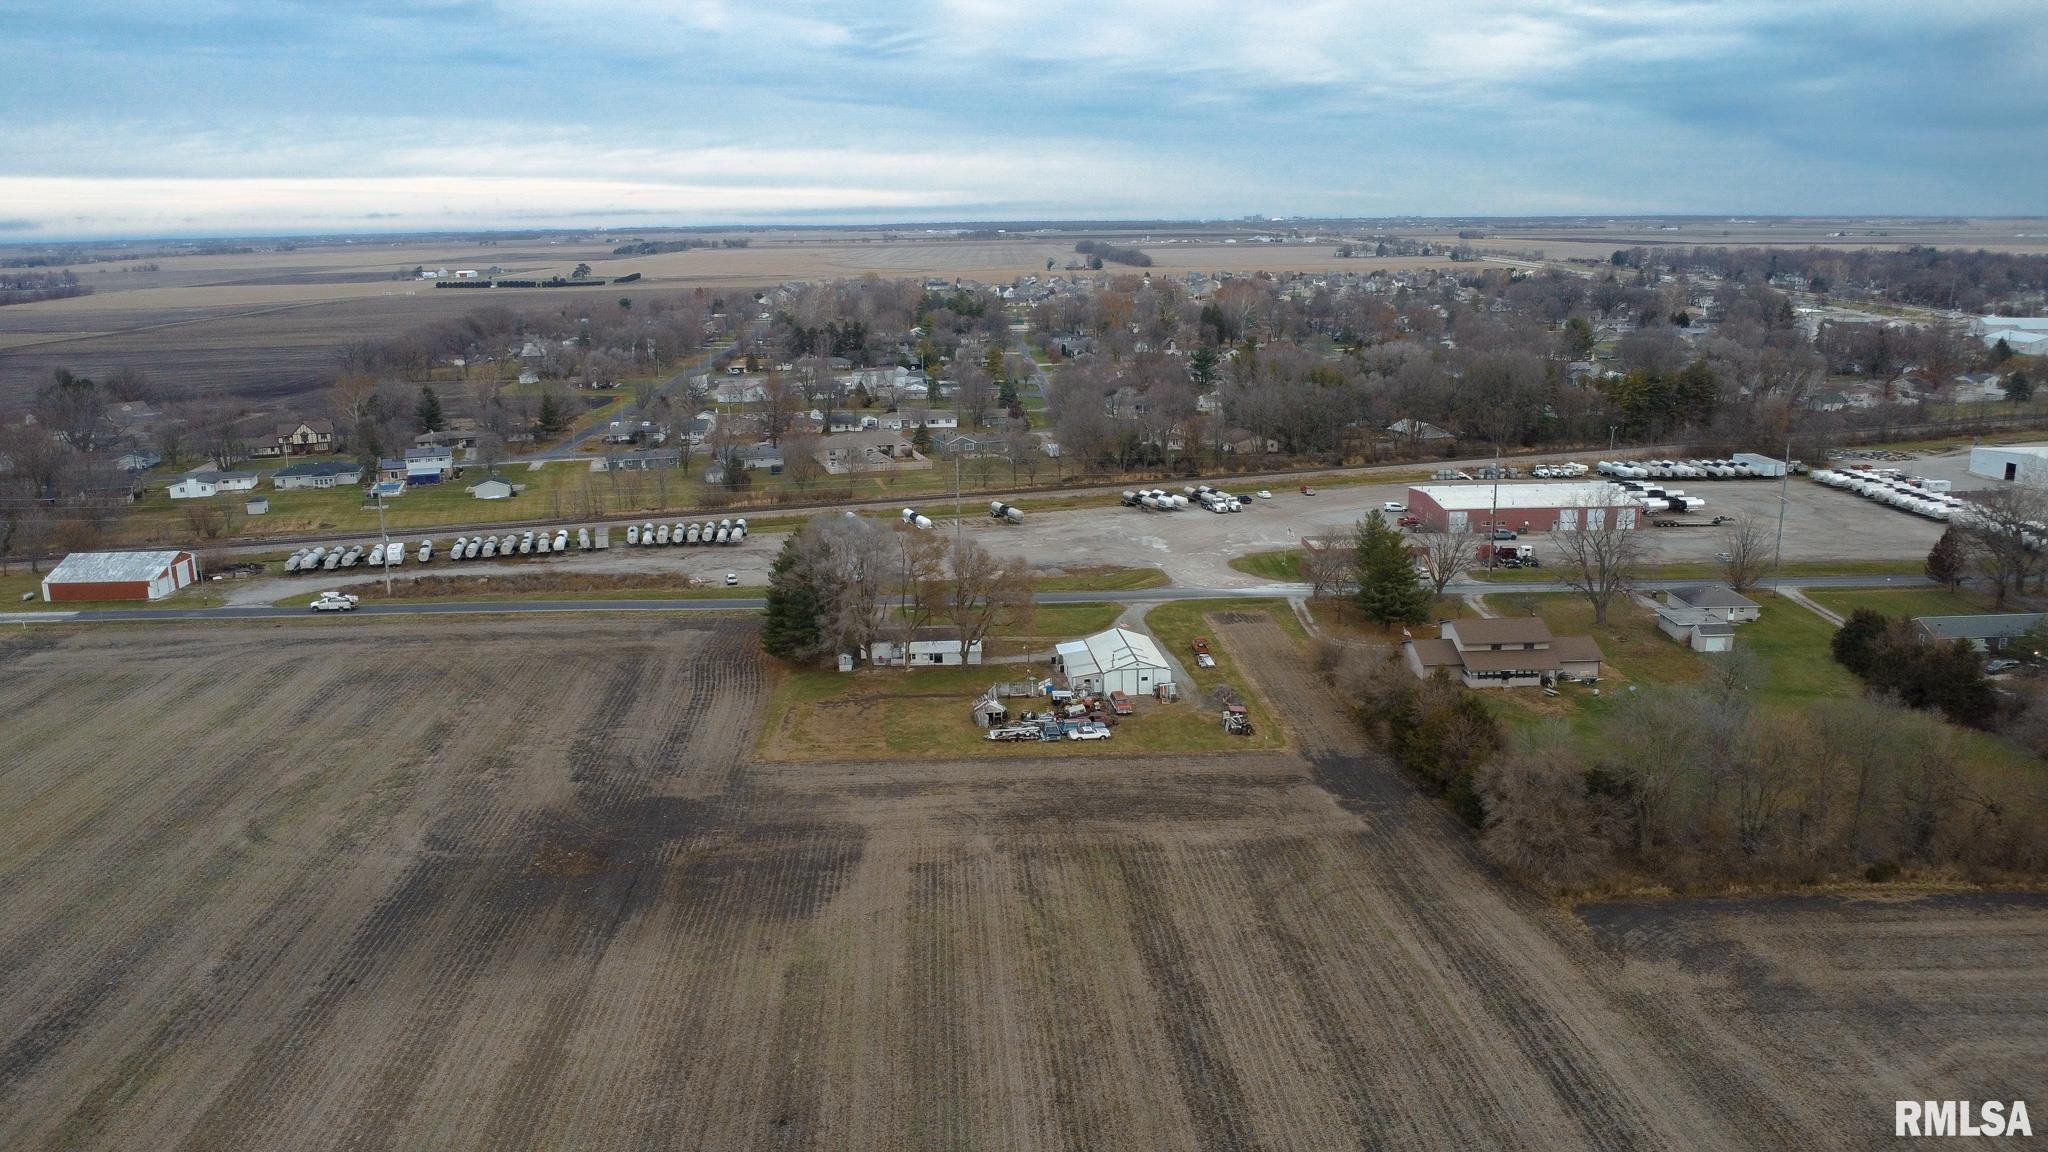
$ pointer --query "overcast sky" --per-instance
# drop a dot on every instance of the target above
(162, 117)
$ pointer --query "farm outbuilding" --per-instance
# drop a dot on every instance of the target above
(1522, 507)
(1118, 660)
(119, 576)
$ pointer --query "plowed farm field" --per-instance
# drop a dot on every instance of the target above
(516, 884)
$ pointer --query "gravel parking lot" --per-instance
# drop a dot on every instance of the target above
(1195, 547)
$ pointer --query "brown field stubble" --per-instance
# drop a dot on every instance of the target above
(513, 884)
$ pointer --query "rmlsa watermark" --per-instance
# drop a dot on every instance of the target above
(1960, 1118)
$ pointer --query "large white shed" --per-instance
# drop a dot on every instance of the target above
(1118, 660)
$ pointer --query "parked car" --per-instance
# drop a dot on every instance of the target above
(1996, 666)
(1410, 521)
(1265, 495)
(334, 602)
(1501, 534)
(1120, 703)
(1307, 491)
(1088, 732)
(1392, 506)
(732, 579)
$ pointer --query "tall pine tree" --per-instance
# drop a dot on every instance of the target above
(1946, 561)
(426, 416)
(1390, 590)
(790, 631)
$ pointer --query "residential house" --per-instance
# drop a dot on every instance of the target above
(1696, 628)
(1508, 652)
(199, 485)
(1717, 600)
(390, 470)
(934, 418)
(138, 460)
(429, 465)
(931, 646)
(298, 438)
(317, 474)
(1418, 431)
(1990, 632)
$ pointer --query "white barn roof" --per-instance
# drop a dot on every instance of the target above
(111, 567)
(1110, 651)
(1478, 497)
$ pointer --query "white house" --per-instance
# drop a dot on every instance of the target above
(1117, 660)
(203, 484)
(428, 465)
(1696, 628)
(934, 645)
(1718, 601)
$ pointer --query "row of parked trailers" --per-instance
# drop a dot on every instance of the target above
(1160, 500)
(1660, 499)
(681, 532)
(1889, 486)
(330, 558)
(1743, 466)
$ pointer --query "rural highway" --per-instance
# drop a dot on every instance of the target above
(1461, 587)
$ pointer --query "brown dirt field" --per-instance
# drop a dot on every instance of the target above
(372, 884)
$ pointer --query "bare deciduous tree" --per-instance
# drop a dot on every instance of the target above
(1746, 545)
(2001, 533)
(1443, 556)
(986, 592)
(1602, 554)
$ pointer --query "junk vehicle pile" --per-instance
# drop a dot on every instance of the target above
(1067, 716)
(1160, 500)
(339, 557)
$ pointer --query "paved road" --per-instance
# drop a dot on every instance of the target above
(755, 604)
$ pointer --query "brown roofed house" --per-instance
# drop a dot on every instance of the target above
(1507, 652)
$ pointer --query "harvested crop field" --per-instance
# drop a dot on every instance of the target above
(488, 884)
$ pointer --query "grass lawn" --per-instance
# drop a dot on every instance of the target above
(1282, 566)
(1176, 624)
(1707, 570)
(921, 713)
(1904, 601)
(1052, 622)
(1104, 578)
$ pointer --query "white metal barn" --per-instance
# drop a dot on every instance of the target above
(2010, 461)
(1118, 660)
(119, 576)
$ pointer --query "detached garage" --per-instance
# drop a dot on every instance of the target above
(120, 576)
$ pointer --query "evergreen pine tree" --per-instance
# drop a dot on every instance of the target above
(1390, 590)
(1945, 561)
(426, 417)
(790, 631)
(549, 419)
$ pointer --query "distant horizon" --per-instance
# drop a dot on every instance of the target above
(1021, 225)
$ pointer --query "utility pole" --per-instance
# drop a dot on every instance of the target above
(956, 503)
(1493, 519)
(386, 537)
(1784, 499)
